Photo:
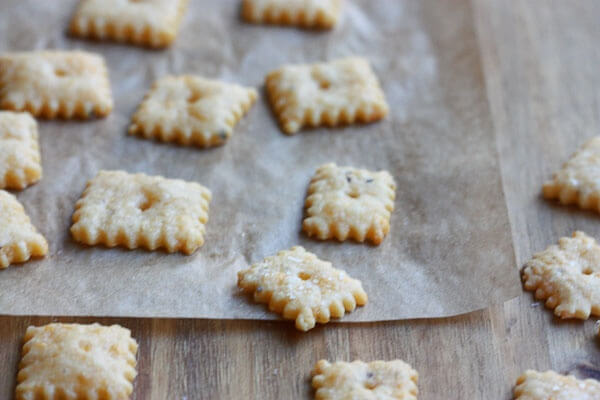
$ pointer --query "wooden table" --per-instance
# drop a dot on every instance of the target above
(541, 65)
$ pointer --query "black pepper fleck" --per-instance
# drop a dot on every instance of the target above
(369, 180)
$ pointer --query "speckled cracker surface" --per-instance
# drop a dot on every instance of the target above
(339, 92)
(349, 203)
(19, 240)
(301, 287)
(55, 84)
(578, 181)
(20, 160)
(137, 210)
(533, 385)
(567, 276)
(357, 380)
(147, 22)
(77, 362)
(192, 110)
(322, 14)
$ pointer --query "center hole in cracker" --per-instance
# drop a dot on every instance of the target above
(588, 271)
(60, 72)
(324, 85)
(304, 276)
(194, 97)
(147, 202)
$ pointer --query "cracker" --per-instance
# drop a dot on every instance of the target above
(77, 362)
(318, 14)
(296, 284)
(349, 203)
(137, 210)
(55, 84)
(533, 385)
(19, 240)
(359, 380)
(339, 92)
(152, 23)
(192, 110)
(567, 276)
(20, 160)
(578, 181)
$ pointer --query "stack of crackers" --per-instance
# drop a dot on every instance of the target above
(117, 208)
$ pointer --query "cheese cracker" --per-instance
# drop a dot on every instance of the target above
(339, 92)
(137, 210)
(20, 161)
(151, 23)
(55, 84)
(77, 362)
(578, 181)
(19, 240)
(191, 110)
(349, 203)
(322, 14)
(533, 385)
(301, 287)
(357, 380)
(567, 276)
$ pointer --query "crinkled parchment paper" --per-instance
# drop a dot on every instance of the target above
(449, 249)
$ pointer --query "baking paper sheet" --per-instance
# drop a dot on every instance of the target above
(449, 249)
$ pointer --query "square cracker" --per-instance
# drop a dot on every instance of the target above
(301, 287)
(369, 381)
(192, 110)
(151, 23)
(567, 276)
(20, 160)
(19, 240)
(77, 362)
(322, 14)
(51, 84)
(137, 210)
(339, 92)
(349, 203)
(533, 385)
(578, 181)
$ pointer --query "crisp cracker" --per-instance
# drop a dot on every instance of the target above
(19, 240)
(533, 385)
(298, 285)
(578, 181)
(319, 14)
(567, 276)
(192, 110)
(151, 23)
(137, 210)
(20, 160)
(349, 203)
(339, 92)
(55, 84)
(77, 362)
(357, 380)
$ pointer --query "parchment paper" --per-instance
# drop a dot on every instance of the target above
(449, 249)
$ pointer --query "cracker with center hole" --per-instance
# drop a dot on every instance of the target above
(77, 362)
(152, 23)
(331, 94)
(19, 240)
(349, 203)
(567, 276)
(192, 110)
(137, 210)
(317, 14)
(20, 160)
(296, 284)
(534, 385)
(578, 181)
(357, 380)
(55, 84)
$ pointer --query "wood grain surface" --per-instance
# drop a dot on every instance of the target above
(540, 62)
